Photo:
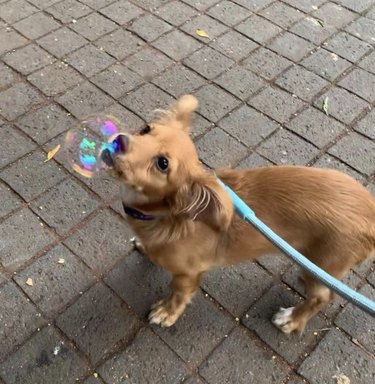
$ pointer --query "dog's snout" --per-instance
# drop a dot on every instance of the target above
(107, 158)
(121, 143)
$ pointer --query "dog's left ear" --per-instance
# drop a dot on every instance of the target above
(183, 108)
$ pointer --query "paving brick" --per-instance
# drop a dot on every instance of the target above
(93, 380)
(248, 125)
(16, 100)
(229, 12)
(217, 149)
(364, 268)
(266, 63)
(305, 5)
(316, 127)
(367, 125)
(64, 206)
(254, 5)
(10, 39)
(96, 4)
(197, 331)
(356, 151)
(7, 76)
(10, 201)
(177, 45)
(342, 105)
(234, 45)
(45, 123)
(357, 6)
(311, 29)
(214, 102)
(348, 47)
(371, 278)
(371, 13)
(28, 59)
(55, 78)
(240, 360)
(36, 25)
(274, 263)
(131, 122)
(368, 63)
(102, 242)
(148, 62)
(199, 126)
(68, 10)
(286, 148)
(149, 27)
(361, 83)
(84, 100)
(335, 15)
(253, 161)
(55, 285)
(241, 82)
(30, 176)
(176, 12)
(341, 350)
(14, 145)
(212, 27)
(15, 10)
(62, 42)
(208, 62)
(281, 14)
(96, 322)
(151, 5)
(18, 317)
(93, 26)
(258, 29)
(42, 4)
(364, 29)
(236, 287)
(147, 359)
(194, 380)
(119, 43)
(326, 64)
(39, 362)
(201, 5)
(145, 100)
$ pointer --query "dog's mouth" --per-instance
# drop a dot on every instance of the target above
(119, 147)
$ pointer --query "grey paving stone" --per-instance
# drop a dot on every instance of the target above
(9, 199)
(54, 284)
(214, 102)
(61, 42)
(84, 100)
(248, 125)
(316, 127)
(149, 27)
(10, 39)
(102, 242)
(275, 263)
(42, 4)
(68, 10)
(348, 46)
(14, 145)
(193, 380)
(240, 360)
(234, 45)
(236, 287)
(334, 14)
(28, 59)
(64, 206)
(368, 63)
(346, 358)
(364, 29)
(266, 63)
(15, 10)
(176, 12)
(36, 25)
(40, 364)
(96, 322)
(138, 282)
(229, 12)
(31, 175)
(7, 76)
(356, 151)
(217, 149)
(147, 359)
(284, 147)
(258, 29)
(201, 5)
(151, 4)
(18, 99)
(357, 6)
(199, 126)
(254, 5)
(342, 105)
(93, 26)
(177, 45)
(179, 80)
(96, 4)
(366, 126)
(129, 120)
(197, 332)
(371, 13)
(19, 319)
(119, 43)
(305, 5)
(89, 60)
(276, 103)
(281, 14)
(55, 78)
(212, 27)
(93, 380)
(326, 64)
(361, 83)
(371, 277)
(241, 82)
(253, 161)
(117, 80)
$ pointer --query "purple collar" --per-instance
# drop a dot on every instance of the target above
(137, 215)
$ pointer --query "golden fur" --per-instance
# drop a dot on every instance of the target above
(326, 215)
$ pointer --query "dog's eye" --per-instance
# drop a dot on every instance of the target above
(162, 163)
(145, 130)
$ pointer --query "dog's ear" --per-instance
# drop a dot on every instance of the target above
(183, 108)
(203, 199)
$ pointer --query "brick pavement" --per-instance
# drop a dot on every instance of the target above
(260, 77)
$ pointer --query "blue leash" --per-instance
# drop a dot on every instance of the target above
(248, 215)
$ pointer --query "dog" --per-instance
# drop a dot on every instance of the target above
(184, 219)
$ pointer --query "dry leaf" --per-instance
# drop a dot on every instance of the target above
(325, 105)
(61, 261)
(95, 375)
(29, 282)
(202, 33)
(52, 152)
(342, 379)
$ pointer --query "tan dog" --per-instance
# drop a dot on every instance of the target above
(185, 221)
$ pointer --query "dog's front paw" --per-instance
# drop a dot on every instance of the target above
(162, 314)
(284, 320)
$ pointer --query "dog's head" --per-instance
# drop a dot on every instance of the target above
(160, 171)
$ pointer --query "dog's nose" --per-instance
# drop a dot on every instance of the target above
(121, 143)
(107, 158)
